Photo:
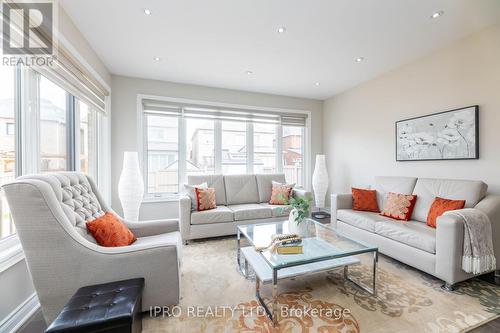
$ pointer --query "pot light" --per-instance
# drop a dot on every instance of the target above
(317, 84)
(360, 59)
(157, 58)
(249, 72)
(147, 11)
(281, 30)
(437, 14)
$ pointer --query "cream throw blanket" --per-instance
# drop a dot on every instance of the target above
(478, 256)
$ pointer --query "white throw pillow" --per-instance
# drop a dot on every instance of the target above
(190, 191)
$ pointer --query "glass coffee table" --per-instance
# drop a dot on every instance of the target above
(323, 249)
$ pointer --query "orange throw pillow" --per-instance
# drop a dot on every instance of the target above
(365, 200)
(205, 198)
(399, 206)
(109, 231)
(440, 206)
(280, 193)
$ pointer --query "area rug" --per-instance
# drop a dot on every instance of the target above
(216, 298)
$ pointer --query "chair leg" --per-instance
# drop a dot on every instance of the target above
(448, 286)
(185, 242)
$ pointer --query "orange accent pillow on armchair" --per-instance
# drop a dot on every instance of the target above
(365, 200)
(109, 231)
(440, 206)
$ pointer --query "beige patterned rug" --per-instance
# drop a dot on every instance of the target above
(407, 301)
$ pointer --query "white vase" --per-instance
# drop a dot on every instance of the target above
(131, 186)
(292, 217)
(320, 181)
(294, 227)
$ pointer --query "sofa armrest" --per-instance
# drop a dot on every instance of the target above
(300, 193)
(490, 205)
(185, 217)
(339, 201)
(152, 227)
(449, 248)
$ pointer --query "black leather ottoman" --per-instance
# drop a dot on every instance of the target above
(105, 308)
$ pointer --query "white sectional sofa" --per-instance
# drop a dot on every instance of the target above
(435, 251)
(241, 199)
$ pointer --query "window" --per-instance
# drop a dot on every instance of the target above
(88, 139)
(264, 142)
(234, 147)
(53, 127)
(293, 154)
(162, 154)
(9, 129)
(7, 143)
(200, 153)
(188, 139)
(56, 132)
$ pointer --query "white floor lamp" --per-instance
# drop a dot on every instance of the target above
(131, 186)
(320, 186)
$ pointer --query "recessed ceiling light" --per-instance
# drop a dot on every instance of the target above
(437, 14)
(317, 84)
(157, 58)
(281, 30)
(360, 59)
(249, 72)
(147, 11)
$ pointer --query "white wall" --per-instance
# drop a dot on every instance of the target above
(124, 121)
(358, 126)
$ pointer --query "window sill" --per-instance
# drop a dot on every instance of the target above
(172, 198)
(11, 252)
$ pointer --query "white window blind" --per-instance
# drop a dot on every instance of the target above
(74, 78)
(66, 71)
(222, 113)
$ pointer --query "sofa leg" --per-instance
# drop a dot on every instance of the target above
(448, 286)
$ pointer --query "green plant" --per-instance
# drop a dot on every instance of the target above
(301, 205)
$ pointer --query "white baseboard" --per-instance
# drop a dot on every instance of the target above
(20, 315)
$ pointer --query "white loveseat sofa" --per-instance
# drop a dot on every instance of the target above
(435, 251)
(241, 199)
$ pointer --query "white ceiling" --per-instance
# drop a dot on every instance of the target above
(214, 42)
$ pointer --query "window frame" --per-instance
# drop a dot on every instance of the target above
(27, 133)
(142, 142)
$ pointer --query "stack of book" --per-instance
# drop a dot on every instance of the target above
(290, 246)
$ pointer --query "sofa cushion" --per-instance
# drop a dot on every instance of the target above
(241, 189)
(278, 210)
(360, 219)
(264, 184)
(427, 189)
(281, 193)
(399, 206)
(250, 212)
(216, 215)
(412, 233)
(214, 181)
(365, 200)
(384, 185)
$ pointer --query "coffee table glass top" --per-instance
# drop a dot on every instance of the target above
(320, 242)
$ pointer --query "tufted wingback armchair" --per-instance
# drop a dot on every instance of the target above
(50, 212)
